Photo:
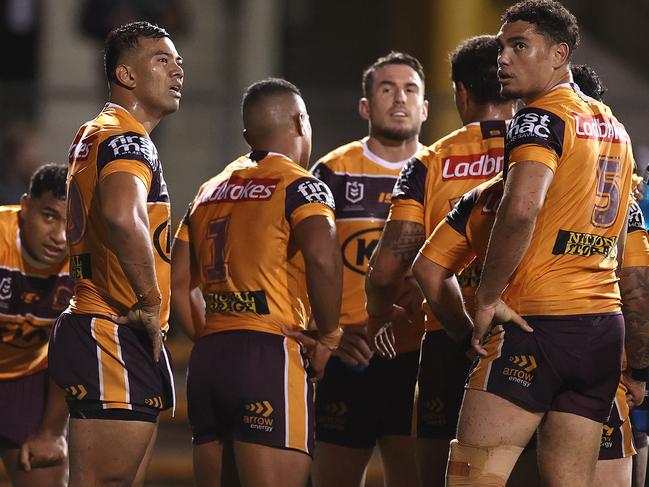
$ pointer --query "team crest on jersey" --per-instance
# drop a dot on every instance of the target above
(5, 288)
(354, 191)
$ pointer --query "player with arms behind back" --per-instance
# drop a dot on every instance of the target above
(259, 242)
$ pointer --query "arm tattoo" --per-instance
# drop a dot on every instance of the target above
(404, 239)
(634, 287)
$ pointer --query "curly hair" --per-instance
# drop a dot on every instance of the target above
(48, 177)
(474, 64)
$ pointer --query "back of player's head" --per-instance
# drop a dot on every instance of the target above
(474, 64)
(392, 58)
(124, 38)
(261, 91)
(49, 177)
(588, 80)
(551, 19)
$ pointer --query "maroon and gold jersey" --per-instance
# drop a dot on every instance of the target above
(239, 228)
(569, 267)
(30, 301)
(113, 142)
(437, 177)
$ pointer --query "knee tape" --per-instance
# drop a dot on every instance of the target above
(473, 466)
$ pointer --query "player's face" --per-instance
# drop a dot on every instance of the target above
(525, 64)
(305, 124)
(42, 228)
(159, 72)
(396, 107)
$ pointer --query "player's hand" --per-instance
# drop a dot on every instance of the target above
(145, 318)
(380, 334)
(353, 348)
(43, 450)
(635, 390)
(488, 314)
(316, 354)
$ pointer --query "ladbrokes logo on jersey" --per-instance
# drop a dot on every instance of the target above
(241, 189)
(477, 166)
(600, 127)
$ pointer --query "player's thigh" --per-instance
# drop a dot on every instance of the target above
(144, 464)
(56, 476)
(568, 449)
(264, 466)
(208, 464)
(489, 420)
(640, 467)
(613, 473)
(526, 470)
(107, 451)
(432, 455)
(399, 460)
(338, 465)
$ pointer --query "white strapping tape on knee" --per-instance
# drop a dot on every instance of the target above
(472, 466)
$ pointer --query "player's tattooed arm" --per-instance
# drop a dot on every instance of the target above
(634, 287)
(394, 254)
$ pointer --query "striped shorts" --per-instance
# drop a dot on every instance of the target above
(108, 368)
(250, 386)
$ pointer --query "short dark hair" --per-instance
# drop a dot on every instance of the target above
(551, 19)
(589, 81)
(474, 64)
(392, 58)
(264, 88)
(48, 177)
(126, 37)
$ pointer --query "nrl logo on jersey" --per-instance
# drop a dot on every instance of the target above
(354, 191)
(5, 288)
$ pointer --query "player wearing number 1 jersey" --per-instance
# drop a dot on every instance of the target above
(552, 250)
(259, 242)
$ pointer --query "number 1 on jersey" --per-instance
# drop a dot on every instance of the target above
(216, 232)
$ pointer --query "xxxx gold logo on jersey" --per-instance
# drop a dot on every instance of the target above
(259, 416)
(358, 247)
(584, 244)
(521, 372)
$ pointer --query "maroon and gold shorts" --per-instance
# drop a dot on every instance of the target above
(250, 386)
(22, 404)
(108, 371)
(617, 436)
(570, 364)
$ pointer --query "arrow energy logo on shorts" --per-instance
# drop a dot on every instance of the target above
(258, 417)
(521, 372)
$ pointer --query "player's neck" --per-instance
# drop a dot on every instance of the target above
(490, 111)
(562, 76)
(137, 110)
(393, 150)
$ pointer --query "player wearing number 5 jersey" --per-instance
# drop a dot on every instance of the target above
(254, 240)
(552, 250)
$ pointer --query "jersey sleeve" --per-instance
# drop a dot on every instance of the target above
(308, 196)
(535, 135)
(409, 193)
(128, 152)
(448, 248)
(182, 233)
(636, 248)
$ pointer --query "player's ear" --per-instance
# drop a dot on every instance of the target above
(125, 76)
(302, 124)
(246, 137)
(24, 204)
(424, 111)
(560, 54)
(364, 108)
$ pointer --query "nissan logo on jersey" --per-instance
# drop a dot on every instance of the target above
(477, 166)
